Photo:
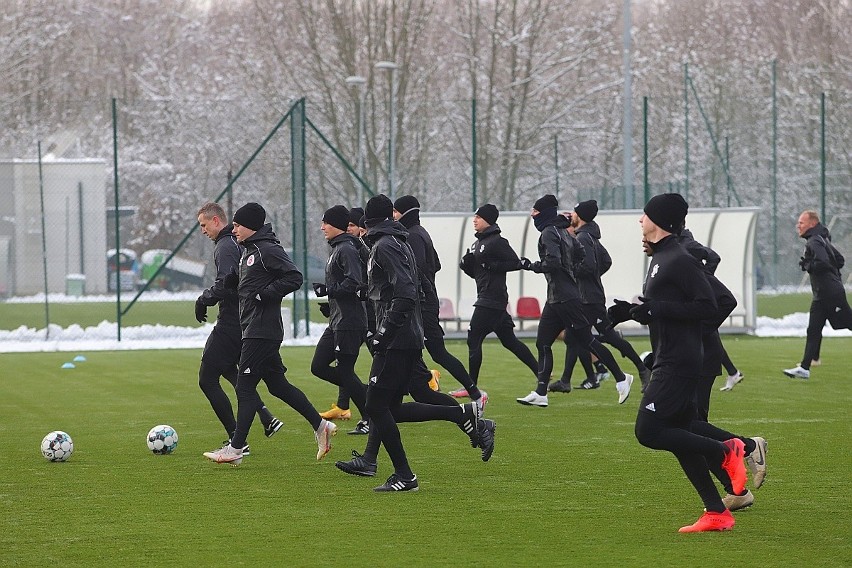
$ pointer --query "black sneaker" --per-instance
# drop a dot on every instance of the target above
(590, 384)
(486, 438)
(361, 429)
(357, 466)
(270, 429)
(559, 386)
(470, 423)
(396, 483)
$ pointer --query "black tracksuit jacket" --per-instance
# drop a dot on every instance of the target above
(677, 284)
(825, 277)
(710, 257)
(428, 263)
(595, 263)
(226, 258)
(559, 253)
(265, 271)
(393, 286)
(344, 274)
(487, 261)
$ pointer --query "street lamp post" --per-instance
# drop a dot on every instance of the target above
(391, 67)
(361, 84)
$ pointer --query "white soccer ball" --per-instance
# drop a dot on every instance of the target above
(162, 439)
(57, 446)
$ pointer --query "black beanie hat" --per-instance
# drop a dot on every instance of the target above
(406, 203)
(378, 208)
(587, 210)
(546, 202)
(667, 211)
(337, 217)
(251, 216)
(355, 215)
(489, 213)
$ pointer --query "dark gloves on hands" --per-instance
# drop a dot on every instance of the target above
(645, 312)
(266, 295)
(320, 289)
(804, 264)
(200, 311)
(619, 312)
(525, 264)
(325, 309)
(361, 292)
(231, 281)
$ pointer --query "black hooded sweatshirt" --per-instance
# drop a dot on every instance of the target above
(344, 274)
(266, 275)
(818, 262)
(487, 261)
(226, 257)
(708, 256)
(595, 263)
(428, 263)
(559, 253)
(393, 285)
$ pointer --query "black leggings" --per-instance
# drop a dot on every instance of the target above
(433, 334)
(343, 375)
(485, 321)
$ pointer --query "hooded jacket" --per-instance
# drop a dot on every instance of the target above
(487, 261)
(226, 258)
(428, 263)
(596, 261)
(677, 286)
(559, 253)
(266, 275)
(393, 285)
(344, 274)
(818, 262)
(709, 257)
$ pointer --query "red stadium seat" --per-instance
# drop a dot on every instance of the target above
(446, 311)
(528, 309)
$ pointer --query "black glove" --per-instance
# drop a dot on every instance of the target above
(266, 295)
(325, 309)
(320, 289)
(804, 264)
(485, 266)
(525, 263)
(361, 292)
(645, 312)
(619, 312)
(380, 342)
(231, 281)
(200, 311)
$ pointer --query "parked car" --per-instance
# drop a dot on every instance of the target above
(180, 273)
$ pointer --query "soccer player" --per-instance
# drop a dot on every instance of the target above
(822, 262)
(406, 210)
(487, 261)
(345, 283)
(596, 261)
(222, 350)
(560, 253)
(397, 346)
(266, 275)
(677, 298)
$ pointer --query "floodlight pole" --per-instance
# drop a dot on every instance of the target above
(391, 67)
(361, 84)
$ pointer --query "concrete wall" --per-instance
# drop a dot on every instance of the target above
(730, 232)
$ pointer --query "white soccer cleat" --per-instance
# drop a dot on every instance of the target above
(798, 372)
(756, 462)
(737, 502)
(226, 454)
(732, 381)
(534, 399)
(623, 388)
(323, 435)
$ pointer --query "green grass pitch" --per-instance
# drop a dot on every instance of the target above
(567, 486)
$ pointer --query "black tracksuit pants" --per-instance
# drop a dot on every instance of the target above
(485, 321)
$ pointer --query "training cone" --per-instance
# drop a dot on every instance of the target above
(79, 359)
(68, 365)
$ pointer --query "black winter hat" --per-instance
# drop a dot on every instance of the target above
(406, 203)
(489, 213)
(251, 216)
(355, 215)
(378, 208)
(667, 211)
(337, 217)
(546, 202)
(587, 210)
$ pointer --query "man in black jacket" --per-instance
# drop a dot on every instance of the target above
(560, 253)
(822, 262)
(397, 345)
(677, 299)
(596, 261)
(266, 275)
(407, 212)
(487, 261)
(345, 283)
(222, 350)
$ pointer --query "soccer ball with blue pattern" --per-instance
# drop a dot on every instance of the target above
(57, 446)
(162, 439)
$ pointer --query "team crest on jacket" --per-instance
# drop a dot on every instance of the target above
(655, 270)
(250, 260)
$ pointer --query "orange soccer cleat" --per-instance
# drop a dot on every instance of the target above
(733, 463)
(711, 522)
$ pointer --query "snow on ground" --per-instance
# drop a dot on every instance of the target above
(103, 337)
